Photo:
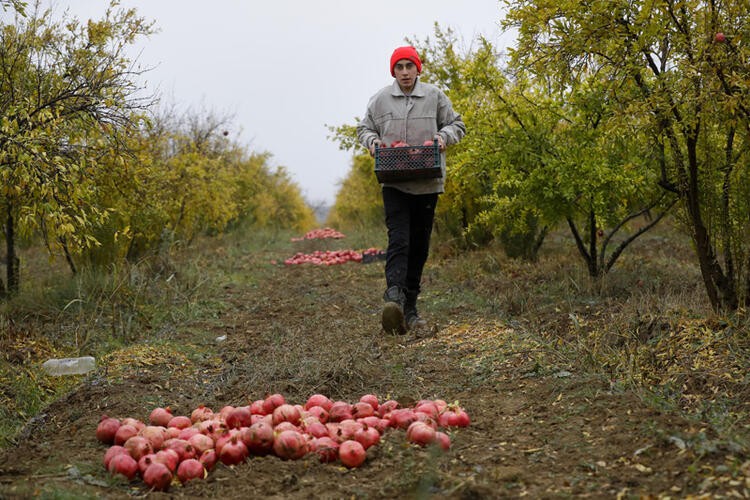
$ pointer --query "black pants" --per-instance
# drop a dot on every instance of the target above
(409, 219)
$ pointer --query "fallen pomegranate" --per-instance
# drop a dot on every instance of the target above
(124, 432)
(272, 402)
(290, 445)
(190, 469)
(238, 417)
(107, 428)
(443, 440)
(208, 459)
(189, 447)
(123, 464)
(233, 452)
(352, 453)
(138, 446)
(325, 448)
(155, 434)
(201, 414)
(258, 438)
(160, 416)
(111, 452)
(320, 234)
(145, 461)
(179, 422)
(168, 457)
(134, 422)
(157, 476)
(201, 443)
(367, 436)
(286, 413)
(319, 400)
(370, 399)
(420, 433)
(324, 258)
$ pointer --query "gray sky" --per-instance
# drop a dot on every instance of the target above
(287, 68)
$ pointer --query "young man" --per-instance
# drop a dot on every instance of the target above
(413, 112)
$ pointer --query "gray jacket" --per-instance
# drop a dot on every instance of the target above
(393, 116)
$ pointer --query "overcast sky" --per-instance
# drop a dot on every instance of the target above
(287, 68)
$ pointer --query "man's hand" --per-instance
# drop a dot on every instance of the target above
(376, 143)
(441, 142)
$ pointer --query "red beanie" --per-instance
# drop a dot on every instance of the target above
(407, 52)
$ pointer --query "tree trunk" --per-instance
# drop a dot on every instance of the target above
(68, 257)
(588, 258)
(3, 291)
(720, 287)
(594, 264)
(12, 261)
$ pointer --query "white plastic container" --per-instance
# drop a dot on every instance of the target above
(69, 366)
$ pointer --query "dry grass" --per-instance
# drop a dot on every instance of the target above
(647, 325)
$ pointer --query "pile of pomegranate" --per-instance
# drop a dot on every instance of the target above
(179, 448)
(328, 257)
(324, 257)
(331, 257)
(320, 234)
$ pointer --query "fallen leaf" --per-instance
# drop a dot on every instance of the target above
(643, 468)
(678, 442)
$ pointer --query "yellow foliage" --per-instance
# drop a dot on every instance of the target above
(359, 201)
(171, 188)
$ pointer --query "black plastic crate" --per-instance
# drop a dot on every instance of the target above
(407, 163)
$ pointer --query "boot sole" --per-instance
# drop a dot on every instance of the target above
(393, 319)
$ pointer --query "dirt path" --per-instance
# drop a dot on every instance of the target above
(539, 427)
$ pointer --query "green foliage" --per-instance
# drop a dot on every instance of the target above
(469, 174)
(59, 82)
(662, 68)
(16, 5)
(87, 164)
(537, 155)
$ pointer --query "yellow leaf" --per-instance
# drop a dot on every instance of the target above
(642, 468)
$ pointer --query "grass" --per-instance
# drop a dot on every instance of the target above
(102, 313)
(646, 327)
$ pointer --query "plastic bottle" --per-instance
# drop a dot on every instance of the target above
(69, 366)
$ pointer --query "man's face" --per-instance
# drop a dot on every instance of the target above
(406, 74)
